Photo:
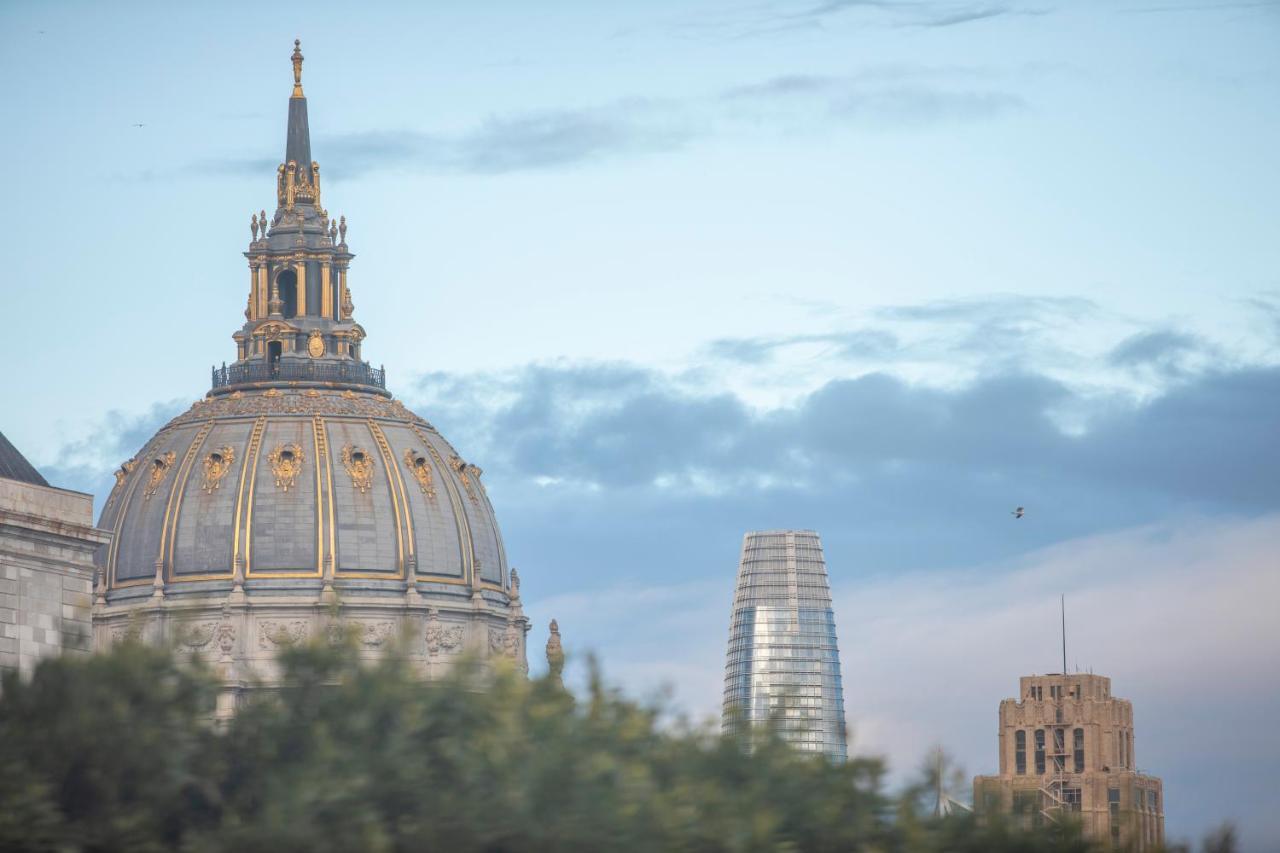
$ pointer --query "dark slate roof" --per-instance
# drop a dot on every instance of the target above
(14, 466)
(297, 146)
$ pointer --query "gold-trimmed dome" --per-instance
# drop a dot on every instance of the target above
(296, 483)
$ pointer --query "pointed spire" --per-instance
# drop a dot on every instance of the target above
(297, 147)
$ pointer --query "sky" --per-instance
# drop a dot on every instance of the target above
(670, 272)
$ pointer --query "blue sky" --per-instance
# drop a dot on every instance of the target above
(673, 271)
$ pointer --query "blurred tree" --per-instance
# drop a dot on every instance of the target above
(115, 752)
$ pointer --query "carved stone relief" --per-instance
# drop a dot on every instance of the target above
(279, 634)
(441, 637)
(196, 635)
(504, 641)
(371, 635)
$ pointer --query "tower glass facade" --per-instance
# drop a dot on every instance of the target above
(783, 664)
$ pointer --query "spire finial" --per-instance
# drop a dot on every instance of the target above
(297, 68)
(555, 652)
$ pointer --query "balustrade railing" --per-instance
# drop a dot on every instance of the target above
(342, 372)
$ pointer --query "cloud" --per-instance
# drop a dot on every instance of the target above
(87, 464)
(1226, 6)
(1164, 350)
(894, 96)
(924, 14)
(528, 141)
(898, 97)
(854, 344)
(1207, 439)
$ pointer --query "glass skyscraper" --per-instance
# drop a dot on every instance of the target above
(783, 663)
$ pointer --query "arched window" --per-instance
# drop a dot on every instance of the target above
(287, 284)
(1020, 751)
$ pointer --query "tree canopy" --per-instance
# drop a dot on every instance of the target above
(118, 751)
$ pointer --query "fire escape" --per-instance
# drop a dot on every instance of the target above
(1055, 799)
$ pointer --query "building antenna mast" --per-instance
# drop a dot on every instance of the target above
(1063, 601)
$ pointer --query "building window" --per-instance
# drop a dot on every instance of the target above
(1039, 752)
(1071, 796)
(287, 287)
(1020, 752)
(1059, 750)
(1151, 801)
(1078, 748)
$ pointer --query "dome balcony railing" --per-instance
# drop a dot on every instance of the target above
(320, 372)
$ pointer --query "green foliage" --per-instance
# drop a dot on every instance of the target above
(117, 752)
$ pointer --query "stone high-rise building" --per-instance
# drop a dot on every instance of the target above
(47, 542)
(783, 664)
(1067, 751)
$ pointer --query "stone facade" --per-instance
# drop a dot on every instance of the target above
(1067, 751)
(47, 542)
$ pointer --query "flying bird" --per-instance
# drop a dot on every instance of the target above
(1019, 512)
(138, 124)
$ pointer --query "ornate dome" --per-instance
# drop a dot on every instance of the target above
(298, 497)
(334, 486)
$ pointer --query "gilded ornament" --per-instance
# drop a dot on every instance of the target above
(296, 59)
(125, 469)
(216, 466)
(315, 344)
(159, 467)
(467, 473)
(359, 465)
(421, 471)
(286, 461)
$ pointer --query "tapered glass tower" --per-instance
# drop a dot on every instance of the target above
(783, 663)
